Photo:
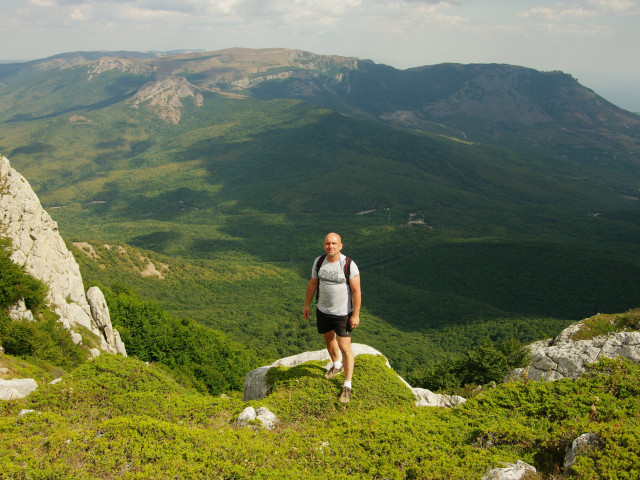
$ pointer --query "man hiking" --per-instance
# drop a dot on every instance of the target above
(335, 279)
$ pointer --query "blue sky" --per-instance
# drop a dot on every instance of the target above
(596, 41)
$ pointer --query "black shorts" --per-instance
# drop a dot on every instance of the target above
(337, 323)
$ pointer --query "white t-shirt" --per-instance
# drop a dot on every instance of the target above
(335, 293)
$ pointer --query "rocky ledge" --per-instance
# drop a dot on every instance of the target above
(564, 357)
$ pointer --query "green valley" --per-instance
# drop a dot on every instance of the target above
(458, 240)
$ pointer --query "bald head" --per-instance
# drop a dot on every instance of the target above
(339, 238)
(332, 246)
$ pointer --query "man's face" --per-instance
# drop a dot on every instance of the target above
(332, 245)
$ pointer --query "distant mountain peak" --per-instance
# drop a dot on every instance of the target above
(165, 97)
(129, 65)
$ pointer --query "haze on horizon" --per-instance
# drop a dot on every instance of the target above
(590, 39)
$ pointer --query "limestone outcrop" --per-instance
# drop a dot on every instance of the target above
(564, 357)
(256, 386)
(39, 247)
(512, 471)
(102, 319)
(578, 447)
(165, 97)
(16, 388)
(268, 420)
(426, 398)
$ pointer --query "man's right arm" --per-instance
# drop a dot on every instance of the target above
(312, 287)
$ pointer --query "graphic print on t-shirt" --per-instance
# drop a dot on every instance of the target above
(332, 276)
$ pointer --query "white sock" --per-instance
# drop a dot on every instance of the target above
(347, 383)
(338, 364)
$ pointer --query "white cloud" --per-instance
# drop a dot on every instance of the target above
(578, 10)
(588, 18)
(558, 13)
(43, 3)
(590, 30)
(80, 13)
(615, 5)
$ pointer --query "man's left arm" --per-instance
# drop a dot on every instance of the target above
(356, 297)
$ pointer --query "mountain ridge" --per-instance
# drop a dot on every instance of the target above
(244, 66)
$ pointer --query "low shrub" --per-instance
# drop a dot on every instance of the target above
(15, 283)
(485, 364)
(42, 340)
(117, 417)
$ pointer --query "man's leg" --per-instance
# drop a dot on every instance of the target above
(332, 345)
(344, 345)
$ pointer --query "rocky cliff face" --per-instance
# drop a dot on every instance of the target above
(564, 357)
(165, 97)
(40, 249)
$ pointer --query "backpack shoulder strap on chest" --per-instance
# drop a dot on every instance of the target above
(318, 265)
(319, 262)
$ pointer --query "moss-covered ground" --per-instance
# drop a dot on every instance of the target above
(119, 418)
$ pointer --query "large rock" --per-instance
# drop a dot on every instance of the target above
(564, 357)
(19, 311)
(102, 319)
(39, 247)
(578, 447)
(16, 388)
(426, 398)
(512, 471)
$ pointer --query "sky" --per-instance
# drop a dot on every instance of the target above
(596, 41)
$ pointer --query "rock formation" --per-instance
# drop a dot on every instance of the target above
(40, 249)
(256, 386)
(426, 398)
(564, 357)
(16, 388)
(165, 97)
(268, 420)
(578, 447)
(512, 471)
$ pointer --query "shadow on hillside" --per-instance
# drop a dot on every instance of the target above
(160, 241)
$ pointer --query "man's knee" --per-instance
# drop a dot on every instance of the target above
(344, 343)
(329, 336)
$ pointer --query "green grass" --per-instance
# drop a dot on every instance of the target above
(119, 418)
(603, 324)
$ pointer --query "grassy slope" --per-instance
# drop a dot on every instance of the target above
(117, 418)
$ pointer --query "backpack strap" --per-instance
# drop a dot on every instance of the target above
(318, 265)
(347, 269)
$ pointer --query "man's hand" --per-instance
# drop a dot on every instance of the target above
(354, 321)
(312, 286)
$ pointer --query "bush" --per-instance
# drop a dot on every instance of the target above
(201, 357)
(487, 363)
(15, 283)
(46, 340)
